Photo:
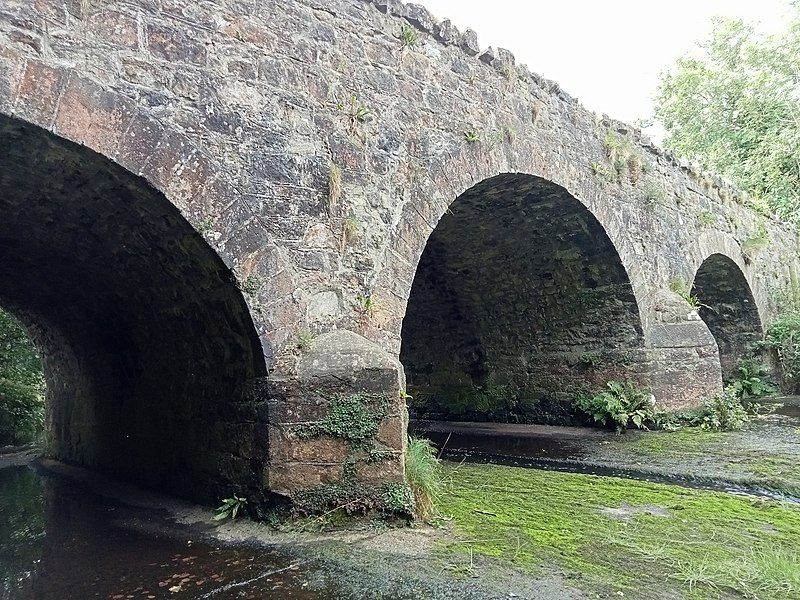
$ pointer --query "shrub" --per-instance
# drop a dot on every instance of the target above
(751, 380)
(783, 337)
(724, 412)
(21, 384)
(21, 412)
(423, 474)
(621, 405)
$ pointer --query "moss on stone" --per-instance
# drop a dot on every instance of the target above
(354, 498)
(352, 418)
(619, 535)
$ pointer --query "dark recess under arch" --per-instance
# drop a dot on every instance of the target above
(520, 302)
(728, 309)
(146, 339)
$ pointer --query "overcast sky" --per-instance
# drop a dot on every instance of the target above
(606, 53)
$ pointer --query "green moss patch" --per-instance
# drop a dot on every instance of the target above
(731, 456)
(350, 418)
(615, 535)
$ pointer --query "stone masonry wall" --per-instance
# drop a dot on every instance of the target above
(520, 303)
(315, 145)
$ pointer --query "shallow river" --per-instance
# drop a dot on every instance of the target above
(58, 540)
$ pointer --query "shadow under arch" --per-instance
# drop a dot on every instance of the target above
(145, 338)
(728, 308)
(520, 301)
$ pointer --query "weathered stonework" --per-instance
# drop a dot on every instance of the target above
(304, 150)
(311, 446)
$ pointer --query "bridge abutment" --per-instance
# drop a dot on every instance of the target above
(337, 428)
(683, 355)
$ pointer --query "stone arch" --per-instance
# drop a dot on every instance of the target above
(728, 308)
(147, 341)
(520, 300)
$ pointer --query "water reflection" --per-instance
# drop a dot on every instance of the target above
(58, 541)
(21, 531)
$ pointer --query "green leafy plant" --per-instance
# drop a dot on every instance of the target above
(357, 114)
(423, 472)
(751, 380)
(305, 341)
(472, 136)
(783, 337)
(755, 242)
(206, 226)
(724, 412)
(230, 508)
(409, 36)
(21, 384)
(350, 419)
(680, 287)
(362, 114)
(605, 175)
(735, 108)
(625, 159)
(654, 192)
(367, 304)
(705, 219)
(620, 405)
(21, 412)
(251, 285)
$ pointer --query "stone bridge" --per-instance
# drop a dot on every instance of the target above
(228, 223)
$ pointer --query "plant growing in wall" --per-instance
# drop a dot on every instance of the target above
(350, 233)
(206, 226)
(348, 418)
(680, 287)
(408, 36)
(755, 243)
(654, 192)
(705, 219)
(356, 114)
(304, 341)
(335, 188)
(624, 158)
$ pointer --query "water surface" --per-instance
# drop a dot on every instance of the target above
(58, 541)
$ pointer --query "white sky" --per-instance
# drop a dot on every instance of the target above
(607, 53)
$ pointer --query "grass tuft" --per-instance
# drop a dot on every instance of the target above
(423, 472)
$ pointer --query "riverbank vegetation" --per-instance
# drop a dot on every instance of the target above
(21, 384)
(625, 404)
(734, 107)
(619, 536)
(423, 473)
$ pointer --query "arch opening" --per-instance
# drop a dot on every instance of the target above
(520, 302)
(729, 310)
(146, 340)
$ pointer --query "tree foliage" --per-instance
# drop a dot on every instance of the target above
(21, 384)
(735, 108)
